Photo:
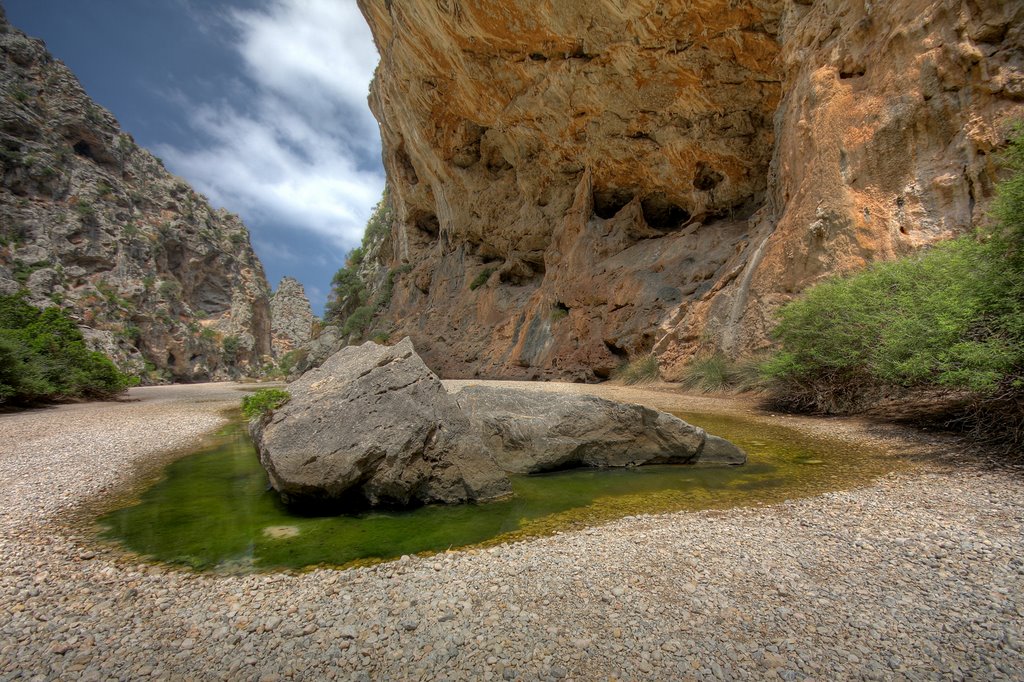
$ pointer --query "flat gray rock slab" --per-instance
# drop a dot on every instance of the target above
(531, 432)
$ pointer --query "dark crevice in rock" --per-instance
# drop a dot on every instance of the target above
(608, 202)
(567, 465)
(642, 135)
(82, 148)
(405, 165)
(426, 222)
(579, 53)
(616, 351)
(662, 213)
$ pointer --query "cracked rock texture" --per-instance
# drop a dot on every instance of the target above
(621, 178)
(291, 316)
(156, 278)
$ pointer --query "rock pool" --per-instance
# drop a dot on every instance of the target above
(212, 510)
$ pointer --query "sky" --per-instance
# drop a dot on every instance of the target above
(259, 104)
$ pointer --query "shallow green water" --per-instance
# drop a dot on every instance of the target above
(212, 509)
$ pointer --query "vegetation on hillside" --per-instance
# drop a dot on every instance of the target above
(348, 291)
(949, 319)
(43, 358)
(350, 305)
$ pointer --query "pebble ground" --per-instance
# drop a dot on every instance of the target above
(918, 576)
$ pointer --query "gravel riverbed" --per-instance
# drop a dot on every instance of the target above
(919, 575)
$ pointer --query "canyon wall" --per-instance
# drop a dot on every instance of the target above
(161, 282)
(580, 183)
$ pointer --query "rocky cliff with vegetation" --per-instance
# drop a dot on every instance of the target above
(576, 185)
(164, 284)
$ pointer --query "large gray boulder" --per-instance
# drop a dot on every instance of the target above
(374, 426)
(532, 431)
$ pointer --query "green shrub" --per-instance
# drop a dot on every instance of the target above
(19, 93)
(263, 401)
(21, 374)
(950, 318)
(169, 288)
(85, 210)
(709, 373)
(43, 358)
(638, 371)
(348, 292)
(379, 224)
(22, 270)
(131, 333)
(717, 372)
(930, 320)
(290, 359)
(231, 345)
(355, 257)
(358, 321)
(481, 279)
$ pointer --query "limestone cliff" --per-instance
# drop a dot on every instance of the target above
(579, 183)
(89, 221)
(291, 316)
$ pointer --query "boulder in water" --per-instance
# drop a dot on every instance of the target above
(374, 426)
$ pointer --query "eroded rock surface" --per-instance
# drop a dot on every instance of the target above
(578, 184)
(157, 279)
(532, 432)
(374, 426)
(886, 140)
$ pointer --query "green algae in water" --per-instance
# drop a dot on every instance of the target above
(213, 510)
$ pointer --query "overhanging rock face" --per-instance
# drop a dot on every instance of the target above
(621, 177)
(549, 143)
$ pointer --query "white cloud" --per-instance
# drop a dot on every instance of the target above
(299, 48)
(299, 146)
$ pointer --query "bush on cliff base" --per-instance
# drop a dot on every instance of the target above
(951, 318)
(640, 370)
(262, 401)
(43, 358)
